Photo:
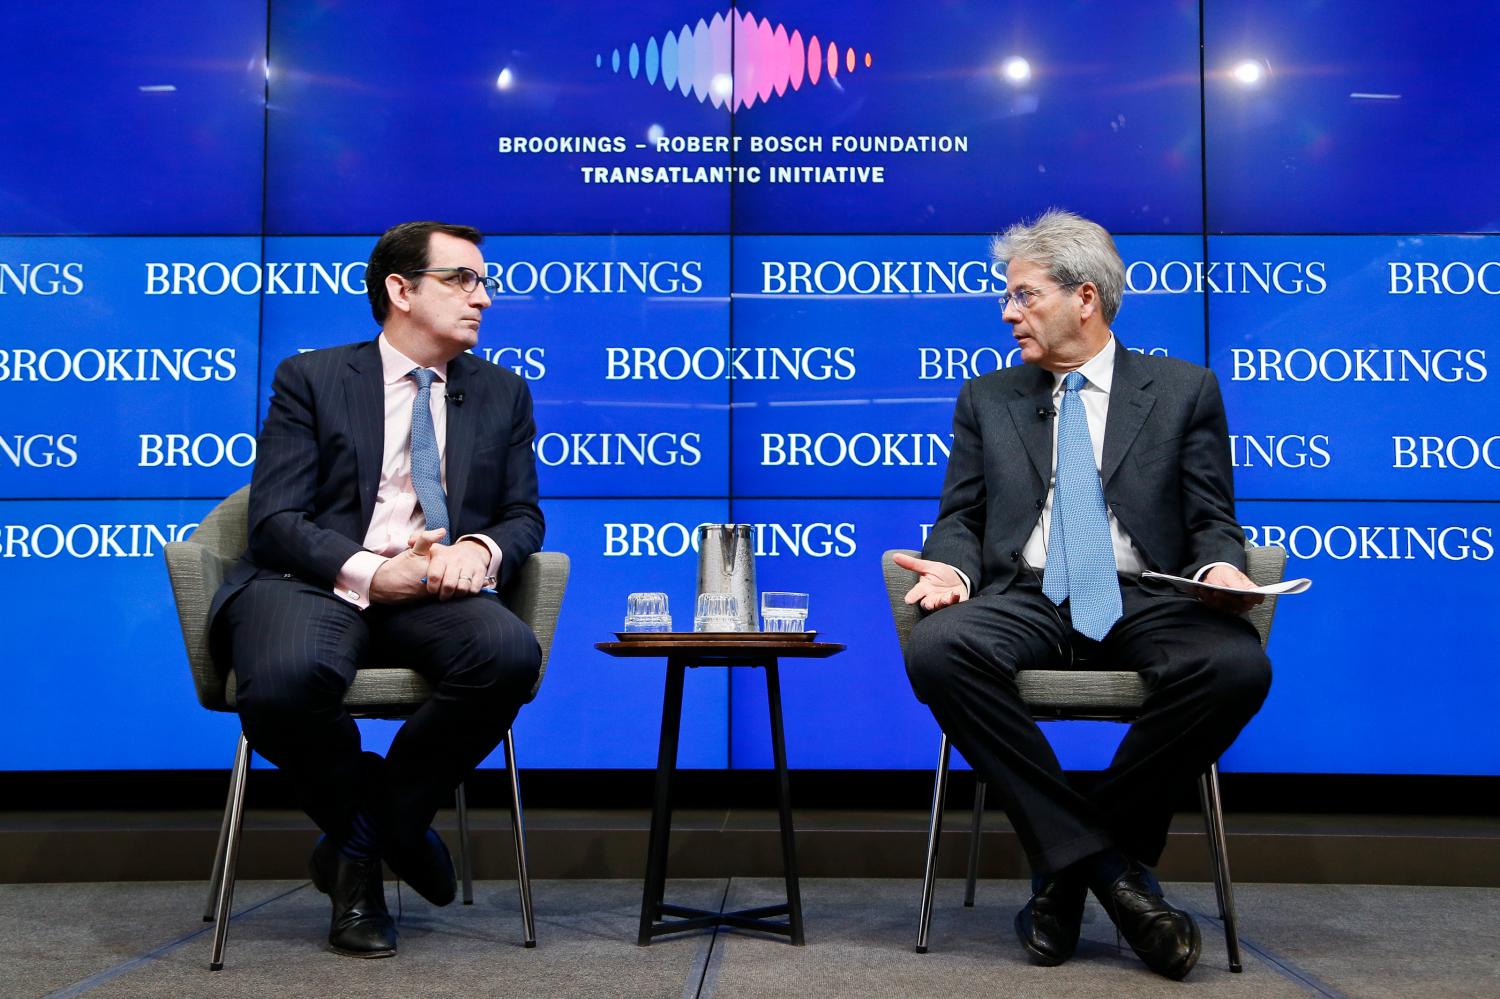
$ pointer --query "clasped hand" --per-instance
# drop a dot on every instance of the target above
(427, 568)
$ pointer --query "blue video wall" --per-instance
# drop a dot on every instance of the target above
(743, 257)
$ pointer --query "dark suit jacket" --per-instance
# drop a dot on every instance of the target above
(318, 459)
(1166, 469)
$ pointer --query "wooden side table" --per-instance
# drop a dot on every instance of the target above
(685, 650)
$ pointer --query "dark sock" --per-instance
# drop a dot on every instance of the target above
(361, 843)
(1102, 869)
(1079, 871)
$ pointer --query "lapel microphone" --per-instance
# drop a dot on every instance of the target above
(457, 398)
(1043, 412)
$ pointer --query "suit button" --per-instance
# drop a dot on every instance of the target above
(1015, 556)
(1039, 504)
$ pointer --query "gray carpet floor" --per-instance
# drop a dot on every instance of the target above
(146, 940)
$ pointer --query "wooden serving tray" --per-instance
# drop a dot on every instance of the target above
(710, 637)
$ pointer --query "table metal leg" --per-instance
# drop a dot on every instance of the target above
(661, 808)
(784, 803)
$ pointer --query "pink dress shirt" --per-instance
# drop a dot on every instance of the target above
(397, 516)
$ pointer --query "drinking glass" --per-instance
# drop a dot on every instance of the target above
(717, 612)
(647, 612)
(783, 611)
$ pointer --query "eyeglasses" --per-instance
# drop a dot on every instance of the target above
(466, 278)
(1026, 296)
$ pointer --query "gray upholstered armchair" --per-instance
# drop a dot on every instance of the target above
(1099, 695)
(197, 567)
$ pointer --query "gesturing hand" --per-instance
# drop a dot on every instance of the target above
(938, 585)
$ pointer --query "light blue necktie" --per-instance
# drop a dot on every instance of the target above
(1080, 555)
(426, 463)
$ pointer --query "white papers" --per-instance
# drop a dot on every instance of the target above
(1193, 586)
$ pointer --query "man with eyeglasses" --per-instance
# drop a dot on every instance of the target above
(1069, 475)
(394, 492)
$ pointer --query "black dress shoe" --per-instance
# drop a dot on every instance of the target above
(1163, 936)
(361, 925)
(425, 865)
(1048, 924)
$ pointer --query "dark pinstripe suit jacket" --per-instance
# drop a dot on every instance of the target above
(319, 454)
(1166, 469)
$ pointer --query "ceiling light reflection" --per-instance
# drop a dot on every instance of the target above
(1250, 72)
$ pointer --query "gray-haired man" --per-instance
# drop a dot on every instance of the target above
(1068, 476)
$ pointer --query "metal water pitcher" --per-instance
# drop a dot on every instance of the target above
(726, 564)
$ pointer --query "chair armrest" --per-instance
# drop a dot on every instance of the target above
(196, 573)
(535, 596)
(1265, 565)
(897, 582)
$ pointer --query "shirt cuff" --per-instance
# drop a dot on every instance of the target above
(492, 574)
(1198, 576)
(968, 586)
(356, 575)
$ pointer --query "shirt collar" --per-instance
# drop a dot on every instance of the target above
(396, 365)
(1099, 369)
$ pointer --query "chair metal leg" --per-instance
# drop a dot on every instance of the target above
(934, 833)
(216, 874)
(523, 878)
(1206, 801)
(974, 831)
(235, 811)
(465, 859)
(1213, 818)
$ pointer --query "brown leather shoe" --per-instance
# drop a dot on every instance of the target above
(1048, 924)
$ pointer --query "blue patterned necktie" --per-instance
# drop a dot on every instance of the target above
(426, 463)
(1080, 555)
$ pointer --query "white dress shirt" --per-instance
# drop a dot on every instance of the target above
(1099, 371)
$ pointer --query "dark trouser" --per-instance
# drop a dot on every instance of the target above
(294, 649)
(1206, 676)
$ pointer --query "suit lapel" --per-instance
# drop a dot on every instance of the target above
(1034, 431)
(364, 397)
(1129, 406)
(458, 447)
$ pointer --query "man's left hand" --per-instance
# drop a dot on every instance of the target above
(457, 569)
(1230, 603)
